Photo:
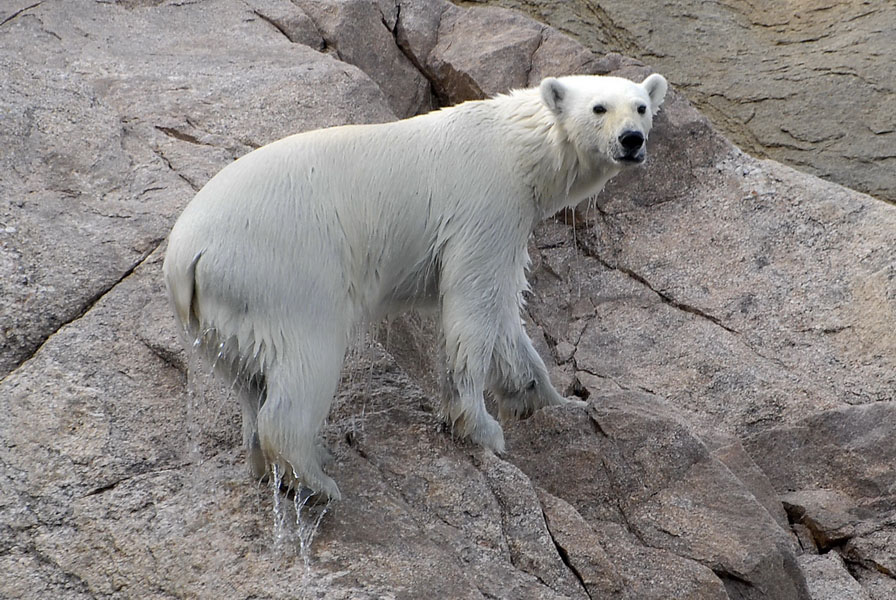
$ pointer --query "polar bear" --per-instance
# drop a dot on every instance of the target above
(285, 251)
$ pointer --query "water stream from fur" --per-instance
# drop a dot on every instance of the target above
(212, 418)
(296, 521)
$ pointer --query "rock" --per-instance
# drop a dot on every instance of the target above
(511, 50)
(876, 551)
(628, 461)
(634, 571)
(834, 473)
(417, 29)
(469, 72)
(846, 449)
(830, 516)
(806, 64)
(359, 33)
(828, 578)
(291, 21)
(731, 452)
(721, 314)
(879, 586)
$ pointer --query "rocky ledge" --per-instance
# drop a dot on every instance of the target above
(728, 319)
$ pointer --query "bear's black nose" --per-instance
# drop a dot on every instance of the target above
(631, 140)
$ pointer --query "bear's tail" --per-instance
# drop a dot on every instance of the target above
(181, 283)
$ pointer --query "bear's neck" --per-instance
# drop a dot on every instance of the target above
(558, 175)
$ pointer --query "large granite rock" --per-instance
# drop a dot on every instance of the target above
(805, 83)
(728, 319)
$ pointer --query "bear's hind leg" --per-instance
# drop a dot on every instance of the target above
(299, 394)
(252, 397)
(241, 371)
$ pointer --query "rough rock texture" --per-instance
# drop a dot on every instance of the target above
(835, 474)
(806, 82)
(728, 319)
(829, 579)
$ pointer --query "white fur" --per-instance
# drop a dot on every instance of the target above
(287, 249)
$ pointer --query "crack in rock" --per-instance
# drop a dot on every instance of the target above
(273, 23)
(181, 135)
(113, 484)
(665, 298)
(564, 557)
(168, 164)
(73, 578)
(434, 83)
(88, 305)
(18, 13)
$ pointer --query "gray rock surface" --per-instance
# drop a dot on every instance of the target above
(728, 319)
(828, 578)
(806, 83)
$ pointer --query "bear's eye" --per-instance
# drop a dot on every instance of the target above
(642, 109)
(599, 109)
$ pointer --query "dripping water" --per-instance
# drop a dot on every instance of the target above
(211, 401)
(296, 522)
(215, 380)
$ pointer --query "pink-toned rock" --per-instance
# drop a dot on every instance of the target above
(706, 297)
(359, 33)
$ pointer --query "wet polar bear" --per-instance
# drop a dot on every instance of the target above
(286, 250)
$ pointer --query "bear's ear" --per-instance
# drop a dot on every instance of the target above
(656, 87)
(553, 94)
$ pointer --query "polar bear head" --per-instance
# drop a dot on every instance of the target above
(606, 119)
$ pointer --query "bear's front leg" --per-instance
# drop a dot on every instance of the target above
(519, 379)
(468, 335)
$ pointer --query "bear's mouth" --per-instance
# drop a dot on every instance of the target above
(632, 159)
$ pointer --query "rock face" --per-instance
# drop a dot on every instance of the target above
(729, 321)
(805, 82)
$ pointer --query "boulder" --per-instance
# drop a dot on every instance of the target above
(360, 33)
(833, 471)
(627, 460)
(828, 578)
(511, 50)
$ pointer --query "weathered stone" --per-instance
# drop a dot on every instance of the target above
(731, 452)
(511, 50)
(840, 464)
(359, 33)
(417, 29)
(831, 516)
(828, 578)
(581, 548)
(291, 21)
(629, 461)
(875, 551)
(879, 586)
(611, 563)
